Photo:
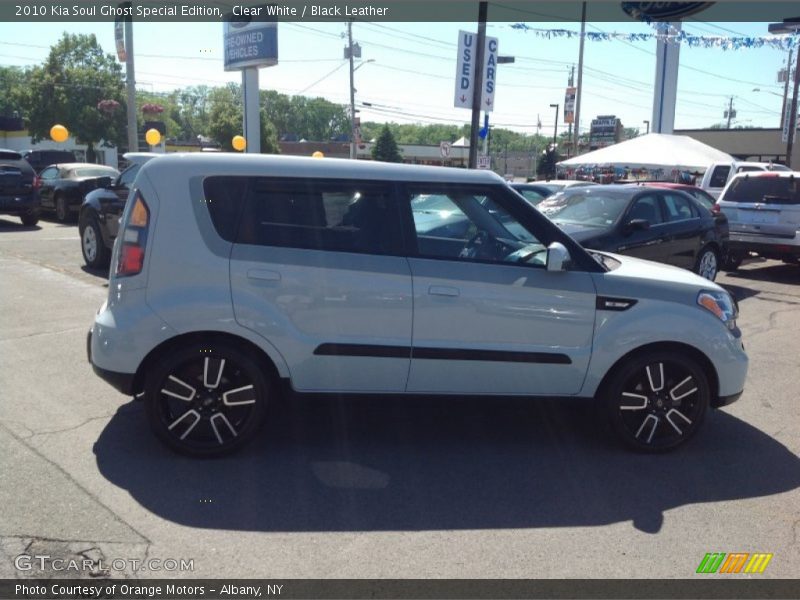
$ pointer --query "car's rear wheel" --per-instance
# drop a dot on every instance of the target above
(206, 399)
(95, 252)
(62, 210)
(29, 219)
(734, 261)
(707, 264)
(657, 401)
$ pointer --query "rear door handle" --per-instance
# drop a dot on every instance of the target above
(443, 290)
(263, 275)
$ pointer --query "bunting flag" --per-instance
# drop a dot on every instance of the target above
(680, 37)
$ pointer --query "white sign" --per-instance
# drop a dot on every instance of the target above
(444, 149)
(249, 43)
(787, 114)
(465, 71)
(484, 162)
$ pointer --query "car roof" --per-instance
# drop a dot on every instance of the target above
(229, 163)
(138, 158)
(766, 174)
(78, 165)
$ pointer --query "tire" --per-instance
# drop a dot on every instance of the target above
(657, 401)
(189, 388)
(30, 219)
(95, 253)
(707, 264)
(62, 210)
(734, 261)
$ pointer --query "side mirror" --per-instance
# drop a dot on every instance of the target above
(637, 225)
(557, 257)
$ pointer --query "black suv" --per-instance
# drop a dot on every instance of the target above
(40, 159)
(19, 184)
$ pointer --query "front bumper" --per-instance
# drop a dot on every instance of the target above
(726, 400)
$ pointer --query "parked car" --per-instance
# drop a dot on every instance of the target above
(98, 219)
(64, 186)
(718, 175)
(234, 272)
(707, 201)
(667, 226)
(537, 191)
(18, 188)
(764, 214)
(39, 159)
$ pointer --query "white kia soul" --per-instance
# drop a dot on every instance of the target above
(233, 272)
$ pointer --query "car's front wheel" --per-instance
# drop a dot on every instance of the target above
(206, 399)
(95, 253)
(656, 401)
(707, 264)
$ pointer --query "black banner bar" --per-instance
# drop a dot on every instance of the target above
(704, 586)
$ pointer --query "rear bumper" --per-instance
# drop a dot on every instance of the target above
(19, 205)
(766, 245)
(122, 382)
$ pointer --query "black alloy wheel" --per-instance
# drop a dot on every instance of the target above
(657, 401)
(206, 400)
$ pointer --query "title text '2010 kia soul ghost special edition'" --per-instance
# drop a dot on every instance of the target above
(232, 272)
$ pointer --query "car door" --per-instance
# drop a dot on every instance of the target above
(318, 270)
(486, 322)
(686, 228)
(652, 243)
(48, 178)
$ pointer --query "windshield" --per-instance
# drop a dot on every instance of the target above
(584, 207)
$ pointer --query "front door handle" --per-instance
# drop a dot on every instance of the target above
(443, 290)
(263, 275)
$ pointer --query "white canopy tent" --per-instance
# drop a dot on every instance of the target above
(652, 151)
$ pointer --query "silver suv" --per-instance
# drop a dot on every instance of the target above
(233, 274)
(763, 211)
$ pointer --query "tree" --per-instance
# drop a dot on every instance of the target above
(385, 149)
(13, 86)
(67, 89)
(225, 119)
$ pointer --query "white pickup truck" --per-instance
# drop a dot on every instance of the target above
(718, 175)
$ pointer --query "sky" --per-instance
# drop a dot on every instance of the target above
(410, 76)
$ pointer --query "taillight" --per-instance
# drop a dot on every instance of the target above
(134, 239)
(37, 182)
(715, 209)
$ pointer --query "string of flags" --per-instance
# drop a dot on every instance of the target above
(675, 37)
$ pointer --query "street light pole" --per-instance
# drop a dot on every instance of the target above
(352, 92)
(579, 90)
(790, 26)
(786, 86)
(477, 81)
(555, 127)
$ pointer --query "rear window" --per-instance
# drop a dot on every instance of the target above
(766, 190)
(7, 155)
(719, 177)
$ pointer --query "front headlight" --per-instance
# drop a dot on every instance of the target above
(721, 304)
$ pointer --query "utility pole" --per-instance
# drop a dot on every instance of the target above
(729, 113)
(786, 86)
(352, 92)
(793, 114)
(570, 83)
(483, 8)
(130, 88)
(579, 90)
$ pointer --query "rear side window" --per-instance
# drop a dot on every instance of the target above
(719, 177)
(768, 189)
(679, 208)
(316, 214)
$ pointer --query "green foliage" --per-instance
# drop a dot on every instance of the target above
(309, 118)
(13, 91)
(67, 87)
(225, 119)
(385, 148)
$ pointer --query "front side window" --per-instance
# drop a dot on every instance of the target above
(463, 223)
(719, 177)
(647, 209)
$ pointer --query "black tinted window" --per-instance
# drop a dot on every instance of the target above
(646, 208)
(719, 177)
(679, 208)
(333, 215)
(8, 155)
(769, 189)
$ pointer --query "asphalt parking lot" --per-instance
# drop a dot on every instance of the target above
(381, 487)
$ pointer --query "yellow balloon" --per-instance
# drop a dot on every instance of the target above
(239, 143)
(318, 154)
(59, 133)
(153, 137)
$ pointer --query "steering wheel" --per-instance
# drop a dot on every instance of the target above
(478, 246)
